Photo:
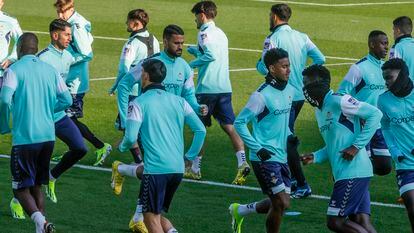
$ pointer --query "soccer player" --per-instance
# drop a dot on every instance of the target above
(365, 83)
(9, 30)
(140, 45)
(299, 47)
(339, 118)
(178, 81)
(78, 77)
(57, 56)
(404, 43)
(32, 91)
(398, 127)
(213, 86)
(268, 106)
(160, 116)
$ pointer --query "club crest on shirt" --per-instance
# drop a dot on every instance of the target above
(77, 26)
(180, 76)
(329, 116)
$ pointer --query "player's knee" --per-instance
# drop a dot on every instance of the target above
(383, 168)
(280, 204)
(79, 153)
(334, 224)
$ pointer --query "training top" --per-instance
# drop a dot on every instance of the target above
(398, 127)
(81, 49)
(212, 60)
(32, 90)
(61, 61)
(9, 30)
(133, 52)
(268, 109)
(364, 80)
(299, 47)
(344, 121)
(159, 117)
(179, 81)
(404, 49)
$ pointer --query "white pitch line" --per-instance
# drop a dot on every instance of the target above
(336, 5)
(219, 184)
(235, 49)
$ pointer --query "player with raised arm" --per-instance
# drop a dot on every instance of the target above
(364, 82)
(160, 117)
(339, 119)
(268, 106)
(32, 91)
(404, 42)
(397, 106)
(57, 56)
(300, 47)
(213, 86)
(78, 77)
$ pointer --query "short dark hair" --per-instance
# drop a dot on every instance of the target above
(209, 8)
(404, 23)
(318, 73)
(140, 15)
(156, 70)
(28, 43)
(58, 25)
(394, 64)
(374, 34)
(172, 29)
(282, 11)
(274, 55)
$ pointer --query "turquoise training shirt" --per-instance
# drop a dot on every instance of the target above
(61, 60)
(268, 109)
(32, 90)
(344, 121)
(398, 127)
(299, 47)
(160, 116)
(212, 60)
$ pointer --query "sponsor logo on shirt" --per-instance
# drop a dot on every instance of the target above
(401, 120)
(374, 87)
(326, 127)
(278, 112)
(353, 101)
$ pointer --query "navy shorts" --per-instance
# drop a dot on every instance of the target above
(273, 177)
(219, 106)
(69, 133)
(294, 113)
(349, 197)
(405, 180)
(76, 109)
(157, 191)
(377, 145)
(29, 164)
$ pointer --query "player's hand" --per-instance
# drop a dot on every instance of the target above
(203, 110)
(6, 63)
(111, 91)
(349, 153)
(264, 154)
(400, 158)
(307, 158)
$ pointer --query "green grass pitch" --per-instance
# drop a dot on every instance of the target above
(86, 202)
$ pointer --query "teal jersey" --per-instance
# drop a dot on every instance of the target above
(212, 60)
(81, 49)
(133, 52)
(9, 31)
(267, 107)
(344, 121)
(61, 61)
(179, 81)
(32, 90)
(404, 49)
(364, 80)
(159, 117)
(299, 47)
(397, 125)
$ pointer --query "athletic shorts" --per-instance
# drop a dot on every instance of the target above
(349, 197)
(377, 145)
(29, 164)
(273, 177)
(68, 132)
(219, 106)
(157, 191)
(405, 180)
(76, 109)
